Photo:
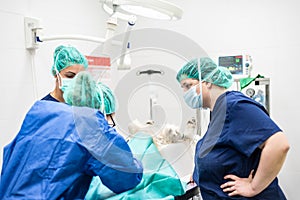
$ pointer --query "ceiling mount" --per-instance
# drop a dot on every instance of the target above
(155, 9)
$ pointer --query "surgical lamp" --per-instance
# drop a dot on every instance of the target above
(118, 9)
(155, 9)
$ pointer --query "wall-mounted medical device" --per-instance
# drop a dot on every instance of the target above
(239, 65)
(258, 89)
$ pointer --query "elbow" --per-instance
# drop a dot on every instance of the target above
(139, 178)
(139, 174)
(133, 178)
(136, 179)
(281, 143)
(285, 148)
(127, 183)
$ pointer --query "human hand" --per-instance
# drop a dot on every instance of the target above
(191, 180)
(239, 186)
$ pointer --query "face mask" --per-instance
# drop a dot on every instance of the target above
(193, 99)
(65, 82)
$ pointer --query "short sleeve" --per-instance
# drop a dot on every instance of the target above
(249, 126)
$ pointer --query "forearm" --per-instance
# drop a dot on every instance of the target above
(272, 158)
(120, 181)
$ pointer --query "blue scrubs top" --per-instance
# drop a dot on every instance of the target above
(238, 126)
(60, 145)
(48, 97)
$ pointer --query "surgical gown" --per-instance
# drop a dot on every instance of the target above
(60, 148)
(238, 126)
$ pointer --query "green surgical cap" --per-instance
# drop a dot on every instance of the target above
(65, 56)
(82, 91)
(109, 98)
(210, 72)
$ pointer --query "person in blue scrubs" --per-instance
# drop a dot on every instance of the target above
(243, 150)
(60, 147)
(67, 62)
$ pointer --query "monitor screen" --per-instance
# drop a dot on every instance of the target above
(233, 63)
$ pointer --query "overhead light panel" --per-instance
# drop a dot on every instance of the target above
(155, 9)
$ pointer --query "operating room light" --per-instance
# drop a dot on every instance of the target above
(155, 9)
(140, 10)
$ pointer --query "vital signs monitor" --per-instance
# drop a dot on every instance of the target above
(239, 65)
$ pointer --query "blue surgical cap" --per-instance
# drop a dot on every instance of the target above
(65, 56)
(210, 72)
(109, 98)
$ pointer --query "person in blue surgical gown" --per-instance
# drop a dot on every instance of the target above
(59, 148)
(243, 149)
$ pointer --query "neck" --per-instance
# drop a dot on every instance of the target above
(214, 95)
(57, 94)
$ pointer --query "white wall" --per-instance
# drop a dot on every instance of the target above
(267, 30)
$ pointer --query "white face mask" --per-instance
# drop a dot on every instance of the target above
(193, 99)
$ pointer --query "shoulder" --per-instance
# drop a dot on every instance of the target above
(237, 100)
(236, 97)
(48, 109)
(242, 110)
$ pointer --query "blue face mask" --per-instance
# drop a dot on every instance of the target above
(193, 99)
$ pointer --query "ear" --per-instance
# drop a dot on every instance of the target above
(208, 85)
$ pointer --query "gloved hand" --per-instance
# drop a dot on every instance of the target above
(136, 126)
(189, 131)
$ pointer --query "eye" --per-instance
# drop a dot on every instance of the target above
(189, 85)
(69, 74)
(186, 85)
